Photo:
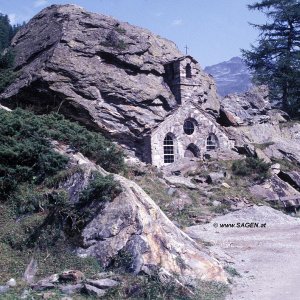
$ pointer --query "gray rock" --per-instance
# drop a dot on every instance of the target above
(215, 177)
(71, 275)
(11, 282)
(274, 189)
(216, 203)
(182, 167)
(275, 169)
(105, 283)
(46, 283)
(100, 71)
(94, 291)
(180, 181)
(30, 271)
(25, 294)
(3, 289)
(261, 155)
(246, 109)
(134, 226)
(292, 177)
(71, 289)
(171, 191)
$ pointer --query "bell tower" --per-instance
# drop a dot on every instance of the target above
(182, 76)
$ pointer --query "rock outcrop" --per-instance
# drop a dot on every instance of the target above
(133, 230)
(246, 109)
(102, 72)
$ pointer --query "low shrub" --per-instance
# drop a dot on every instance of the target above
(250, 166)
(26, 153)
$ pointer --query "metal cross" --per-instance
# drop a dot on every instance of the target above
(186, 49)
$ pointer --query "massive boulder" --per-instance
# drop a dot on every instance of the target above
(102, 72)
(133, 230)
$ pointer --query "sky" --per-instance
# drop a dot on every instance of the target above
(213, 30)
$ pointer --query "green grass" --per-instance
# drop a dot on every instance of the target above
(145, 287)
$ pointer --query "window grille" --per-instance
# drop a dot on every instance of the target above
(211, 142)
(168, 149)
(188, 127)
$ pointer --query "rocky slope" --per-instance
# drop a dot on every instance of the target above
(231, 76)
(132, 228)
(105, 73)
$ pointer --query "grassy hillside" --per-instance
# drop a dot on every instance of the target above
(33, 208)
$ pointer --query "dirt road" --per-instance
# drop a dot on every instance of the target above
(267, 258)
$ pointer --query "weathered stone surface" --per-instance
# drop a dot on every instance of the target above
(71, 289)
(275, 169)
(71, 275)
(215, 177)
(293, 178)
(180, 181)
(105, 73)
(247, 108)
(133, 229)
(30, 271)
(181, 167)
(261, 155)
(105, 283)
(46, 283)
(3, 289)
(94, 291)
(4, 107)
(274, 189)
(11, 282)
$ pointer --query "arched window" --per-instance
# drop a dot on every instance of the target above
(212, 142)
(188, 71)
(192, 151)
(168, 149)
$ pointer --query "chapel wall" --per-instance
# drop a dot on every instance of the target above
(174, 125)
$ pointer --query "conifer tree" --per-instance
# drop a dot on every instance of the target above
(275, 60)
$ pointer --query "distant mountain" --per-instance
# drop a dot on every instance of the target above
(231, 76)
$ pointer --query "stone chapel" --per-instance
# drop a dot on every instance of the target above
(188, 131)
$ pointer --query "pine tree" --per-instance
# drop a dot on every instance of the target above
(7, 32)
(275, 60)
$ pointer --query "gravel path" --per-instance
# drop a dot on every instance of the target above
(268, 258)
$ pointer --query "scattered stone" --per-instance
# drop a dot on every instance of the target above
(71, 289)
(30, 271)
(180, 181)
(46, 283)
(48, 295)
(216, 203)
(261, 155)
(25, 294)
(171, 191)
(71, 275)
(94, 291)
(105, 283)
(11, 282)
(275, 169)
(226, 185)
(3, 289)
(4, 107)
(215, 177)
